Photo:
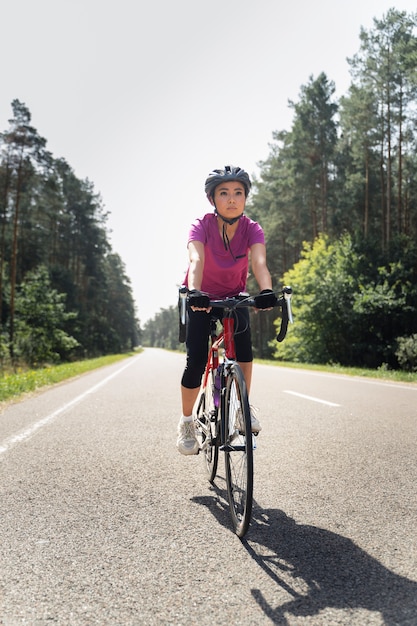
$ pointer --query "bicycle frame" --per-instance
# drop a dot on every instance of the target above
(225, 337)
(213, 358)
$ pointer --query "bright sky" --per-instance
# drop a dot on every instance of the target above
(145, 98)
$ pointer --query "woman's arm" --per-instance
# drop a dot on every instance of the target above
(259, 267)
(196, 266)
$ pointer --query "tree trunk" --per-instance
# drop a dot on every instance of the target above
(13, 268)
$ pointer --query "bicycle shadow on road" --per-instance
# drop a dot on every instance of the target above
(318, 569)
(217, 503)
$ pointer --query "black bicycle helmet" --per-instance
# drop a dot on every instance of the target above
(229, 173)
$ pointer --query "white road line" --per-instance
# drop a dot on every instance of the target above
(301, 395)
(28, 432)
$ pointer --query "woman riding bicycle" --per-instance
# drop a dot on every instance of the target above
(219, 245)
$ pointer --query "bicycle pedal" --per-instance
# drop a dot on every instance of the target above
(242, 432)
(232, 448)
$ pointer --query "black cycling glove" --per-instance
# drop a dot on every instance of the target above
(198, 299)
(266, 299)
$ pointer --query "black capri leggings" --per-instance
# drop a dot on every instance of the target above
(198, 331)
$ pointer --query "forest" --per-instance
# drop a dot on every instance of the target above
(64, 293)
(337, 198)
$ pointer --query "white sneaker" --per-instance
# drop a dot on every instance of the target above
(255, 423)
(187, 441)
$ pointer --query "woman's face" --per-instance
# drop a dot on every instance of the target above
(230, 199)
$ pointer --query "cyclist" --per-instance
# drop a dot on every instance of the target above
(219, 245)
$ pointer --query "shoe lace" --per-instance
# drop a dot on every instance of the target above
(254, 412)
(188, 430)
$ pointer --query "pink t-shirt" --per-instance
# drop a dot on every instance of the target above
(223, 275)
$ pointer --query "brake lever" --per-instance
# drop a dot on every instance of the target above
(287, 292)
(183, 297)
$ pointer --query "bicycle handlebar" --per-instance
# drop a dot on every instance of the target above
(284, 302)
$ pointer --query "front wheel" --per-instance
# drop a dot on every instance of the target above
(238, 450)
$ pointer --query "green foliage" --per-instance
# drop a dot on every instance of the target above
(4, 348)
(40, 321)
(322, 300)
(162, 330)
(406, 352)
(342, 313)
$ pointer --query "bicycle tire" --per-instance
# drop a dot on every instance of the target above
(207, 427)
(238, 450)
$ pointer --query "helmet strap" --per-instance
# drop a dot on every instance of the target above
(228, 220)
(226, 241)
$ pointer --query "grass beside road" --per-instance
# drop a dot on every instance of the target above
(15, 384)
(382, 373)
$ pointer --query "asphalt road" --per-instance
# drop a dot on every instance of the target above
(104, 522)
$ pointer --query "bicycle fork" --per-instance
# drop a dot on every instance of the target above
(226, 443)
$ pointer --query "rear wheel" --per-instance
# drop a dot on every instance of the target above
(207, 426)
(238, 450)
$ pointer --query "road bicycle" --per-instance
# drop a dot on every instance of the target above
(222, 416)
